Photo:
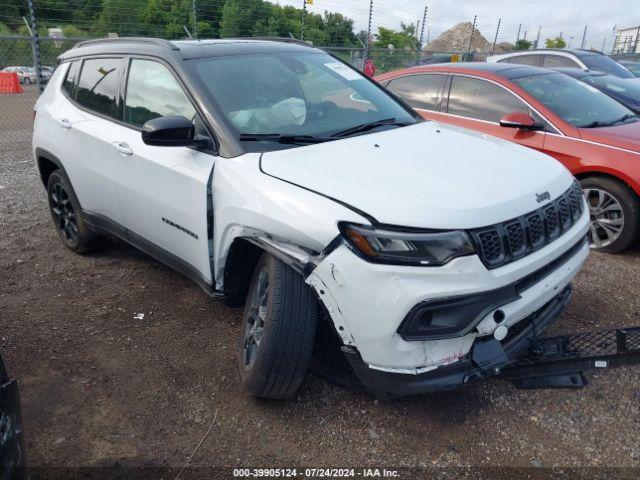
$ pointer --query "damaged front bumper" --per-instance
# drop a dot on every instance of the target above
(371, 305)
(487, 358)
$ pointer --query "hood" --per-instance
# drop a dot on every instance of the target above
(426, 175)
(621, 136)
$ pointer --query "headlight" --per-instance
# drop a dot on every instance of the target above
(407, 247)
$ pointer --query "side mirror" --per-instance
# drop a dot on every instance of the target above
(171, 132)
(521, 121)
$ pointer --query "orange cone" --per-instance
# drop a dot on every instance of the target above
(10, 83)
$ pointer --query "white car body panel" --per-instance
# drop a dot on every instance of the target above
(162, 193)
(397, 182)
(559, 53)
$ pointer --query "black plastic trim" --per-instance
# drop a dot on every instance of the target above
(487, 358)
(100, 223)
(479, 305)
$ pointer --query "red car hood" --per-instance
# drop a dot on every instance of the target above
(622, 136)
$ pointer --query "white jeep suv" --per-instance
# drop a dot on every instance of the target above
(281, 179)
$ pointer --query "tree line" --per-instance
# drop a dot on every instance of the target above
(168, 19)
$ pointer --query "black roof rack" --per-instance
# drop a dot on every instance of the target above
(156, 41)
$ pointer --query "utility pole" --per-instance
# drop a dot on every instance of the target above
(473, 29)
(421, 38)
(584, 37)
(604, 42)
(538, 37)
(304, 15)
(368, 43)
(614, 38)
(35, 47)
(495, 40)
(519, 30)
(193, 14)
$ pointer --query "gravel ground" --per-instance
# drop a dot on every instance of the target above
(103, 387)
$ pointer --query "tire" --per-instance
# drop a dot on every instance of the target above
(615, 214)
(278, 330)
(66, 215)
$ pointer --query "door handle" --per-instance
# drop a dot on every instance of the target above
(65, 123)
(123, 148)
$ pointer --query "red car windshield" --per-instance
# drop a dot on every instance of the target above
(574, 101)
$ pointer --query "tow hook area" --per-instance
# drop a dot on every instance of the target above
(560, 362)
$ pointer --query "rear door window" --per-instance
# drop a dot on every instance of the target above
(533, 60)
(152, 92)
(482, 100)
(99, 84)
(558, 61)
(420, 91)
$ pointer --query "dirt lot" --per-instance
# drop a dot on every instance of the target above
(101, 387)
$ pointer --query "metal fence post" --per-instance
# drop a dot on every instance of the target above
(195, 19)
(419, 47)
(304, 14)
(495, 40)
(35, 47)
(366, 44)
(473, 29)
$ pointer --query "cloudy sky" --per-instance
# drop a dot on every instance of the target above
(568, 17)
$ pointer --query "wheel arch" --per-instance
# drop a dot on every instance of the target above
(617, 176)
(241, 260)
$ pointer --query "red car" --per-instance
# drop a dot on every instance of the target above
(594, 136)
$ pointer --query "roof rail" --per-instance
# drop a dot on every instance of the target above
(276, 39)
(156, 41)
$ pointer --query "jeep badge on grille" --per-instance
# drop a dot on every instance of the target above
(541, 197)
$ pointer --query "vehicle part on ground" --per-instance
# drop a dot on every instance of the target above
(13, 454)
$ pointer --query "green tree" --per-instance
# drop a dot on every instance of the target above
(404, 39)
(522, 44)
(231, 19)
(557, 42)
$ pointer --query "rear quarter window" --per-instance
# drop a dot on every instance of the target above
(71, 79)
(98, 85)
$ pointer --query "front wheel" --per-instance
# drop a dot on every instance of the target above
(615, 214)
(279, 326)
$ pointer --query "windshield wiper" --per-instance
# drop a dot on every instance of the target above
(283, 138)
(599, 123)
(365, 127)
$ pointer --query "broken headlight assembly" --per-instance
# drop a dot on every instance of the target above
(407, 247)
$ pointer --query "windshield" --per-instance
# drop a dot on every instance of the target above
(574, 101)
(634, 67)
(602, 63)
(624, 86)
(295, 94)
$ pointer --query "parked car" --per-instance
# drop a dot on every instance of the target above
(435, 255)
(624, 90)
(594, 136)
(565, 58)
(46, 73)
(634, 67)
(25, 75)
(13, 456)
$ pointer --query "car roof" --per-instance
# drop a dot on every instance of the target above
(505, 70)
(185, 49)
(573, 51)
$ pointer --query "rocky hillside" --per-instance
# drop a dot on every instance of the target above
(456, 39)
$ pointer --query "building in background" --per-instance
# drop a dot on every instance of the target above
(627, 40)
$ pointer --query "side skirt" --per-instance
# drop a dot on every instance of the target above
(102, 224)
